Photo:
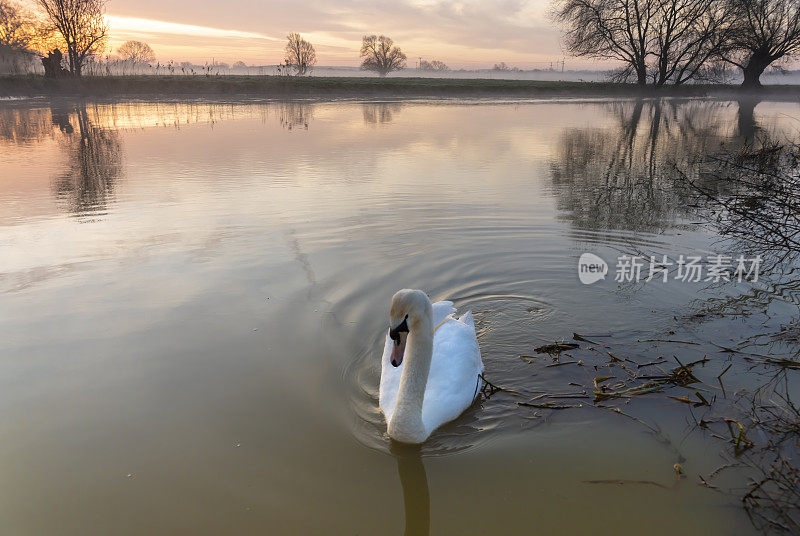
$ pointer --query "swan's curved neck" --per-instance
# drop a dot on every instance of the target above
(406, 422)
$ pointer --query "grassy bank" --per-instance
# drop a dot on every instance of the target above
(321, 87)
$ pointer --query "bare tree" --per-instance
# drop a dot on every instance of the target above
(19, 37)
(610, 29)
(663, 41)
(687, 34)
(435, 65)
(16, 32)
(764, 31)
(81, 25)
(300, 54)
(380, 55)
(136, 52)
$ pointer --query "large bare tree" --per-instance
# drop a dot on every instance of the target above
(687, 34)
(661, 41)
(764, 31)
(300, 54)
(81, 25)
(610, 29)
(380, 55)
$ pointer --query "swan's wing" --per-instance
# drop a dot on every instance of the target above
(453, 380)
(440, 311)
(469, 321)
(390, 381)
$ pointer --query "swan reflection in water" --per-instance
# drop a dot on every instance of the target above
(456, 436)
(414, 480)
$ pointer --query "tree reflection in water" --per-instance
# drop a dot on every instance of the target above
(622, 177)
(94, 162)
(294, 115)
(379, 113)
(25, 125)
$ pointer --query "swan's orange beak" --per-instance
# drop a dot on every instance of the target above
(398, 349)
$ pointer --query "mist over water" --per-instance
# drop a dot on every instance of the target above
(194, 297)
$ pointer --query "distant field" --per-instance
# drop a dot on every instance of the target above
(321, 87)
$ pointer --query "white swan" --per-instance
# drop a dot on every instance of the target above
(437, 377)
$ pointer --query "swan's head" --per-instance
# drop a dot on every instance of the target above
(409, 309)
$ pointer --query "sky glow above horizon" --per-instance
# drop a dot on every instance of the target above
(467, 34)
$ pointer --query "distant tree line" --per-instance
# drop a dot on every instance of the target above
(503, 67)
(662, 42)
(434, 65)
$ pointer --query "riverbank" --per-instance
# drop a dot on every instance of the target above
(354, 87)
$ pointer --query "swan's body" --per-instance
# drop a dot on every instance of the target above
(433, 378)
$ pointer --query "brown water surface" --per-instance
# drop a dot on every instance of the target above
(194, 295)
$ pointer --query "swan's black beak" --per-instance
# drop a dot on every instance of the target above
(398, 336)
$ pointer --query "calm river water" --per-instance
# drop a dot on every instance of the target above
(194, 296)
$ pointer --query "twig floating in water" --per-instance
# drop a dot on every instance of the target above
(647, 482)
(557, 348)
(549, 405)
(492, 388)
(579, 337)
(669, 340)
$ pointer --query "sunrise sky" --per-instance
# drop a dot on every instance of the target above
(464, 34)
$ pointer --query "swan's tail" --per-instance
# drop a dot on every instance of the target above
(467, 319)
